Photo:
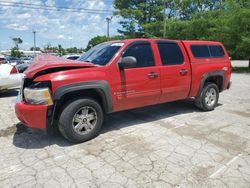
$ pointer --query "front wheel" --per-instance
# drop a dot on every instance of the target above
(81, 120)
(208, 98)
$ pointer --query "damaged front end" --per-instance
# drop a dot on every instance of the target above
(35, 106)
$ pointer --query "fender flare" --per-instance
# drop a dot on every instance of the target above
(101, 86)
(210, 74)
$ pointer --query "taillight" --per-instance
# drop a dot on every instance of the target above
(14, 70)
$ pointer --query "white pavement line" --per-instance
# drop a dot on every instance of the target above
(58, 157)
(183, 125)
(225, 166)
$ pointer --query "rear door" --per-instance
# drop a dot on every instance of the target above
(175, 71)
(139, 86)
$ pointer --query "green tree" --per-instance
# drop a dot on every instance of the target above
(141, 16)
(135, 13)
(61, 50)
(51, 48)
(96, 40)
(36, 49)
(99, 39)
(239, 34)
(17, 41)
(72, 50)
(243, 49)
(15, 52)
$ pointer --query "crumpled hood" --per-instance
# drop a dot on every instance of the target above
(45, 62)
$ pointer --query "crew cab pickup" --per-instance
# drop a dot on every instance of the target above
(74, 96)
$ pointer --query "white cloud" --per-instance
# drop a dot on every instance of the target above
(16, 26)
(60, 37)
(23, 16)
(50, 3)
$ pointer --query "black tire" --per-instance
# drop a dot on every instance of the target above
(201, 99)
(65, 123)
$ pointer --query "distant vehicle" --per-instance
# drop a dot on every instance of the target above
(25, 63)
(26, 59)
(71, 57)
(12, 61)
(22, 67)
(2, 58)
(10, 78)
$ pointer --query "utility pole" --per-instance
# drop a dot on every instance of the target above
(165, 17)
(34, 47)
(108, 22)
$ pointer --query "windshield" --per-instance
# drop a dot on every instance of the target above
(101, 54)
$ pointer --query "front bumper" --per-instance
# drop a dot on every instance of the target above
(33, 116)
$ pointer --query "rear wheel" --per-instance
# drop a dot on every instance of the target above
(208, 98)
(81, 120)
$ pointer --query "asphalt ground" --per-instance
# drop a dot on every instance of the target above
(167, 145)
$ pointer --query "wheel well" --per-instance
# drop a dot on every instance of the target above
(218, 80)
(86, 93)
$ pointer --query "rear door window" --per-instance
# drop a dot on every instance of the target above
(171, 53)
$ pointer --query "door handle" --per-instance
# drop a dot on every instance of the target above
(183, 72)
(153, 75)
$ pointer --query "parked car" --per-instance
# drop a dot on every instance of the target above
(120, 75)
(25, 63)
(12, 61)
(22, 67)
(26, 59)
(72, 56)
(2, 58)
(10, 78)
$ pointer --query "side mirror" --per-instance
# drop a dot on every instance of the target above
(127, 62)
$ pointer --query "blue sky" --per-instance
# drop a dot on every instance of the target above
(54, 27)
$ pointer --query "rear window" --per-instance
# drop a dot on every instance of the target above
(207, 51)
(200, 51)
(170, 53)
(216, 51)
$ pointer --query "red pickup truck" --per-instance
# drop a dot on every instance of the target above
(119, 75)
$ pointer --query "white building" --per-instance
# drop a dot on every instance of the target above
(25, 52)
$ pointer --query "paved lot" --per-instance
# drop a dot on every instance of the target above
(169, 145)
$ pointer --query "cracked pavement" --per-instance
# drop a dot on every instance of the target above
(167, 145)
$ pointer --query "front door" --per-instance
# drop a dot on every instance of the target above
(139, 86)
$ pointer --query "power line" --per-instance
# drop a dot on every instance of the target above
(59, 10)
(48, 6)
(52, 8)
